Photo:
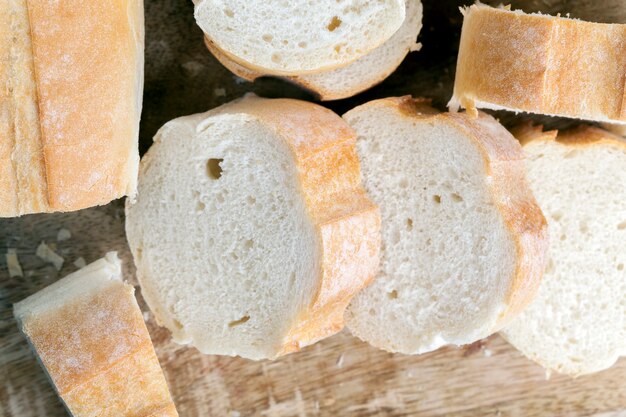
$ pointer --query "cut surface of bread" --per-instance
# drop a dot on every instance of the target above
(295, 38)
(463, 240)
(251, 231)
(535, 63)
(70, 101)
(356, 77)
(89, 335)
(577, 323)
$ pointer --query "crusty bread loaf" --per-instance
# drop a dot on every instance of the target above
(541, 64)
(577, 323)
(89, 335)
(71, 78)
(463, 240)
(293, 38)
(356, 77)
(251, 231)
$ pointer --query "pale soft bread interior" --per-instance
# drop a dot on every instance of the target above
(96, 275)
(447, 259)
(226, 253)
(356, 77)
(298, 38)
(577, 323)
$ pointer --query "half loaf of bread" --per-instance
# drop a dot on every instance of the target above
(89, 335)
(541, 64)
(463, 240)
(356, 77)
(577, 323)
(71, 81)
(251, 231)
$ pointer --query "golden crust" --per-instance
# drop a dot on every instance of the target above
(87, 68)
(97, 351)
(541, 64)
(347, 221)
(504, 164)
(306, 82)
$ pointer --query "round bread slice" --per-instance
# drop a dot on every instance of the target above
(509, 60)
(295, 38)
(577, 323)
(251, 231)
(356, 77)
(463, 240)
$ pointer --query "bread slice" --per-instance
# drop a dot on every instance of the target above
(252, 231)
(541, 64)
(89, 335)
(463, 240)
(70, 99)
(356, 77)
(292, 38)
(577, 323)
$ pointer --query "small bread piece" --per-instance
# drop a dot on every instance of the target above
(541, 64)
(577, 323)
(463, 240)
(251, 231)
(89, 335)
(293, 38)
(356, 77)
(71, 81)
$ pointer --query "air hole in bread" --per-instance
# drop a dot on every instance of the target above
(251, 200)
(213, 168)
(372, 312)
(563, 237)
(200, 206)
(267, 38)
(249, 244)
(276, 58)
(334, 24)
(229, 13)
(392, 295)
(302, 45)
(177, 324)
(437, 199)
(620, 267)
(571, 154)
(556, 216)
(239, 322)
(456, 198)
(584, 228)
(622, 225)
(409, 224)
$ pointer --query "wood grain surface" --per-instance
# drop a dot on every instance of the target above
(340, 376)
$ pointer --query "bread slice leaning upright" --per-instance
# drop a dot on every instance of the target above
(71, 83)
(356, 77)
(251, 231)
(509, 60)
(463, 240)
(577, 323)
(290, 38)
(89, 335)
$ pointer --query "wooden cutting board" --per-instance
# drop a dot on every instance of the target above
(340, 376)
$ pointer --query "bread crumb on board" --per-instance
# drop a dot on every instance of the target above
(80, 263)
(63, 234)
(48, 255)
(13, 263)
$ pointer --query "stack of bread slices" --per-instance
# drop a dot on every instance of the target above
(266, 225)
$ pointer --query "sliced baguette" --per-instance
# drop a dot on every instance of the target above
(252, 231)
(541, 64)
(356, 77)
(577, 323)
(71, 82)
(292, 38)
(463, 240)
(89, 335)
